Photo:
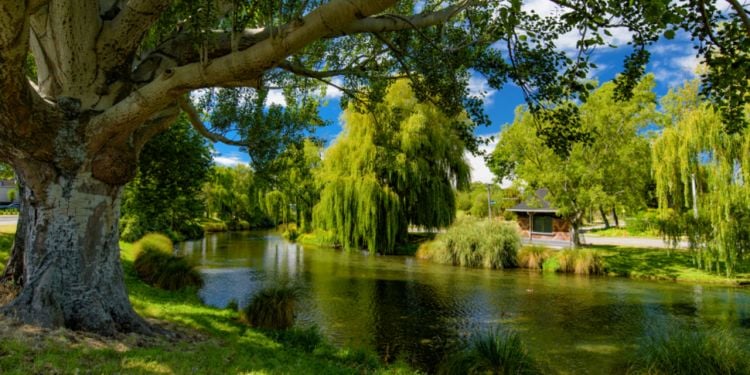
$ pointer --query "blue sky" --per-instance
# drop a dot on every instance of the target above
(672, 63)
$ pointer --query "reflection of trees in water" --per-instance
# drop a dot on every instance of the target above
(411, 323)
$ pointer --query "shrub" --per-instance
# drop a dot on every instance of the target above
(532, 257)
(237, 225)
(157, 266)
(191, 230)
(472, 242)
(305, 339)
(644, 223)
(289, 231)
(582, 262)
(690, 351)
(318, 237)
(494, 352)
(272, 308)
(214, 226)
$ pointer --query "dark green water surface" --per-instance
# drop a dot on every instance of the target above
(415, 310)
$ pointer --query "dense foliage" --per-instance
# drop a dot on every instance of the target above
(472, 242)
(474, 201)
(390, 168)
(165, 196)
(156, 264)
(234, 195)
(608, 171)
(695, 152)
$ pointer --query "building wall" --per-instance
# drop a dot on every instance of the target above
(5, 188)
(560, 228)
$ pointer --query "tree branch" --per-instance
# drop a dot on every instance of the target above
(742, 13)
(121, 36)
(389, 23)
(249, 64)
(195, 120)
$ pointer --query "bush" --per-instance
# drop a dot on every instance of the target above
(690, 351)
(289, 231)
(473, 242)
(191, 230)
(532, 257)
(645, 223)
(157, 266)
(318, 237)
(237, 225)
(272, 308)
(214, 226)
(494, 352)
(582, 262)
(305, 339)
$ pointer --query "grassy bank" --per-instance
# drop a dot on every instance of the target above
(323, 238)
(663, 264)
(211, 341)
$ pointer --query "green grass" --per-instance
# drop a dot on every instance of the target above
(662, 264)
(493, 352)
(623, 232)
(684, 350)
(214, 342)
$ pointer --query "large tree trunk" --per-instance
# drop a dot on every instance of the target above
(71, 262)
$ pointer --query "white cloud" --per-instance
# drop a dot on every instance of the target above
(276, 97)
(479, 88)
(543, 8)
(333, 92)
(229, 161)
(673, 71)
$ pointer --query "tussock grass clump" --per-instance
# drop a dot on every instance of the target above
(496, 351)
(581, 262)
(272, 308)
(689, 351)
(532, 257)
(157, 266)
(214, 226)
(472, 242)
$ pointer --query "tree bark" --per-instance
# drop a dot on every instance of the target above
(71, 263)
(604, 217)
(614, 216)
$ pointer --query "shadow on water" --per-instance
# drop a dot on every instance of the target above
(417, 311)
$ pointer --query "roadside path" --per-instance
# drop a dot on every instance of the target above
(8, 219)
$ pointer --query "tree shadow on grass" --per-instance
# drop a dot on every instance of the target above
(660, 264)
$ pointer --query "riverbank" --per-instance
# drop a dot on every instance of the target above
(208, 340)
(663, 264)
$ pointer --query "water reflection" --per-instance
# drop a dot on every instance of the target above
(413, 310)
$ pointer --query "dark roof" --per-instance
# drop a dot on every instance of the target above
(537, 204)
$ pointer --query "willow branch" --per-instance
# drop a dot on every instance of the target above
(195, 120)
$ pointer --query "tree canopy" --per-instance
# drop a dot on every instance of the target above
(610, 170)
(391, 168)
(694, 154)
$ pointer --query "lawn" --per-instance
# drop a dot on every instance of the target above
(210, 341)
(622, 232)
(663, 264)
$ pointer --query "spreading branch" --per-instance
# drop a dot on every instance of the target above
(246, 65)
(121, 36)
(195, 120)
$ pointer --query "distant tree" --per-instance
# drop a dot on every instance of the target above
(296, 180)
(695, 155)
(233, 194)
(612, 169)
(390, 168)
(165, 195)
(6, 171)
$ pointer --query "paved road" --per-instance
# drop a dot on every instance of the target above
(8, 219)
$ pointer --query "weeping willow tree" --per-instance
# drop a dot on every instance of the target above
(394, 166)
(702, 174)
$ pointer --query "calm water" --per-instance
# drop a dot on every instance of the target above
(415, 310)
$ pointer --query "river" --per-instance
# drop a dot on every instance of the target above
(415, 310)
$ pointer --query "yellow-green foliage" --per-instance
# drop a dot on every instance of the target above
(532, 257)
(472, 242)
(391, 167)
(272, 308)
(581, 262)
(156, 265)
(215, 226)
(318, 237)
(694, 144)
